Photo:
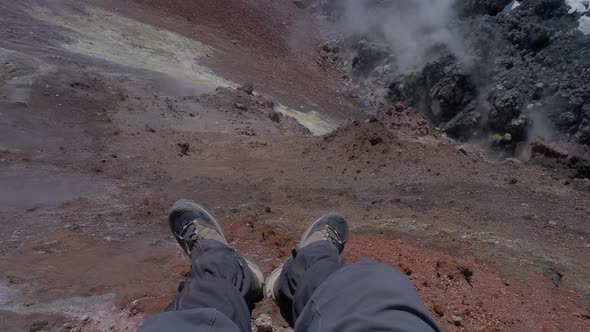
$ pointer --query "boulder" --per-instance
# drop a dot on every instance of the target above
(548, 149)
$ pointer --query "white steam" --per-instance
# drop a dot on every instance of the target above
(412, 29)
(511, 6)
(581, 7)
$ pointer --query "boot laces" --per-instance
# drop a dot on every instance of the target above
(189, 234)
(333, 235)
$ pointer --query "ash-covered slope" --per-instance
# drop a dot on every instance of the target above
(500, 72)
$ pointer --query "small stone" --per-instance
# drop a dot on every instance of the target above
(457, 320)
(39, 325)
(67, 326)
(462, 150)
(240, 106)
(267, 209)
(513, 181)
(375, 140)
(263, 323)
(439, 309)
(581, 184)
(331, 46)
(184, 149)
(513, 161)
(247, 88)
(275, 117)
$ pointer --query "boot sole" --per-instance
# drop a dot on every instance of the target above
(259, 275)
(271, 281)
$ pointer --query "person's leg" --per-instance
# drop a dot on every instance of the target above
(317, 257)
(365, 296)
(317, 292)
(219, 278)
(303, 274)
(222, 284)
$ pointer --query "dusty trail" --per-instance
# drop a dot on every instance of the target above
(110, 112)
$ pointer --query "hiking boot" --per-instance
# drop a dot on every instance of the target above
(191, 223)
(331, 227)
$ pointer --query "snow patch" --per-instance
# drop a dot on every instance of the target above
(511, 6)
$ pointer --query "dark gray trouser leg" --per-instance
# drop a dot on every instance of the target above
(365, 296)
(216, 296)
(303, 274)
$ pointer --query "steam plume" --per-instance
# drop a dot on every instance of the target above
(413, 30)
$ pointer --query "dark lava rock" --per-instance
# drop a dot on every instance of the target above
(247, 88)
(481, 7)
(527, 65)
(441, 89)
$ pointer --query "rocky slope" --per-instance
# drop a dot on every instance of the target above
(498, 72)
